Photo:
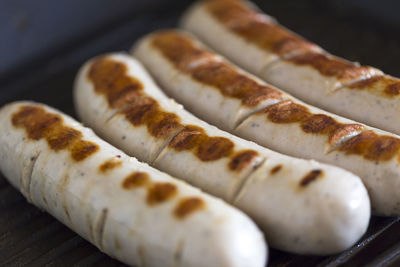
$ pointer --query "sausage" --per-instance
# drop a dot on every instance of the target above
(244, 95)
(289, 126)
(256, 42)
(240, 27)
(126, 208)
(331, 209)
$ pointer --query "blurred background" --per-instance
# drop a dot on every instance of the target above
(35, 31)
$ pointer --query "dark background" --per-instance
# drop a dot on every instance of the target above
(43, 43)
(40, 29)
(37, 34)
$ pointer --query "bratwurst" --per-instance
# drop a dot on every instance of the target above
(192, 74)
(256, 42)
(302, 206)
(126, 208)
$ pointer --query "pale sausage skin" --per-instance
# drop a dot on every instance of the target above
(288, 126)
(374, 100)
(137, 121)
(263, 183)
(230, 26)
(259, 44)
(126, 208)
(245, 95)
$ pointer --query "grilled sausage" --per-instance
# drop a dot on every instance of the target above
(127, 209)
(287, 126)
(260, 45)
(303, 206)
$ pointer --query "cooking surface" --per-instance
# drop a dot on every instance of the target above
(31, 237)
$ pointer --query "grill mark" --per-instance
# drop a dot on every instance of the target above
(194, 138)
(37, 122)
(82, 149)
(184, 53)
(242, 159)
(144, 110)
(368, 144)
(290, 112)
(256, 27)
(206, 148)
(214, 148)
(136, 179)
(330, 66)
(126, 93)
(109, 78)
(188, 206)
(393, 89)
(372, 146)
(310, 177)
(275, 169)
(286, 112)
(40, 124)
(147, 111)
(62, 138)
(189, 138)
(110, 164)
(381, 85)
(160, 192)
(179, 49)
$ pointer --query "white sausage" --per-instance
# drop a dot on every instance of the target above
(260, 45)
(200, 20)
(289, 198)
(289, 126)
(127, 209)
